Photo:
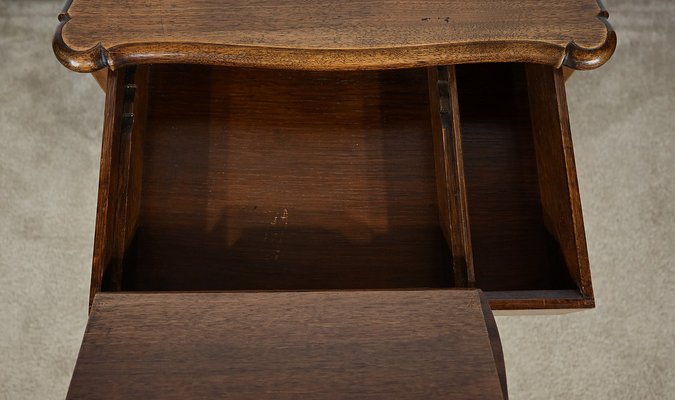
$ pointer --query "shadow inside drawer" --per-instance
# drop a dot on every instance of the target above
(513, 250)
(259, 179)
(244, 179)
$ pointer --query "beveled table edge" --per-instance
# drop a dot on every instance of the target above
(537, 52)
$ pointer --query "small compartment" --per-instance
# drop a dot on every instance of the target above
(523, 202)
(246, 179)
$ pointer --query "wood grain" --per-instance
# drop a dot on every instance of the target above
(538, 300)
(449, 163)
(327, 35)
(512, 249)
(495, 343)
(558, 185)
(290, 180)
(265, 179)
(527, 231)
(104, 235)
(101, 77)
(120, 176)
(323, 345)
(130, 160)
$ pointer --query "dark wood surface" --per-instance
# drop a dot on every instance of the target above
(449, 163)
(130, 158)
(554, 301)
(372, 344)
(281, 180)
(558, 187)
(263, 179)
(327, 35)
(120, 177)
(101, 77)
(104, 235)
(495, 343)
(512, 248)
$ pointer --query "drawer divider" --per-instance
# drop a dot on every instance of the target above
(449, 167)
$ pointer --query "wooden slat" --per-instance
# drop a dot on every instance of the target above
(449, 164)
(558, 185)
(108, 177)
(495, 343)
(129, 183)
(538, 301)
(120, 175)
(435, 344)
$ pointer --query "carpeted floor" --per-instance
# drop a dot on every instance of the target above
(623, 122)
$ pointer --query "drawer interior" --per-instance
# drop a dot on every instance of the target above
(512, 246)
(258, 179)
(242, 179)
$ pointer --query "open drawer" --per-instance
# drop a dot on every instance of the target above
(216, 178)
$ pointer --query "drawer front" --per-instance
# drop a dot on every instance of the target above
(350, 344)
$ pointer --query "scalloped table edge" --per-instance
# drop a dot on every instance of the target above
(98, 57)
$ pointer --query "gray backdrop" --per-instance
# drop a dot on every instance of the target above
(623, 125)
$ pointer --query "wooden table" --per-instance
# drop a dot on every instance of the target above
(379, 155)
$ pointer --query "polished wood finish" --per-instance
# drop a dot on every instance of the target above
(363, 344)
(263, 179)
(512, 248)
(567, 73)
(381, 145)
(101, 77)
(558, 185)
(449, 163)
(337, 188)
(327, 35)
(539, 300)
(109, 172)
(495, 343)
(120, 175)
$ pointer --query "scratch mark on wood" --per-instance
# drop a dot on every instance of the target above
(275, 233)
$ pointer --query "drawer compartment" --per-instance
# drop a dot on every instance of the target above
(240, 179)
(258, 179)
(523, 201)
